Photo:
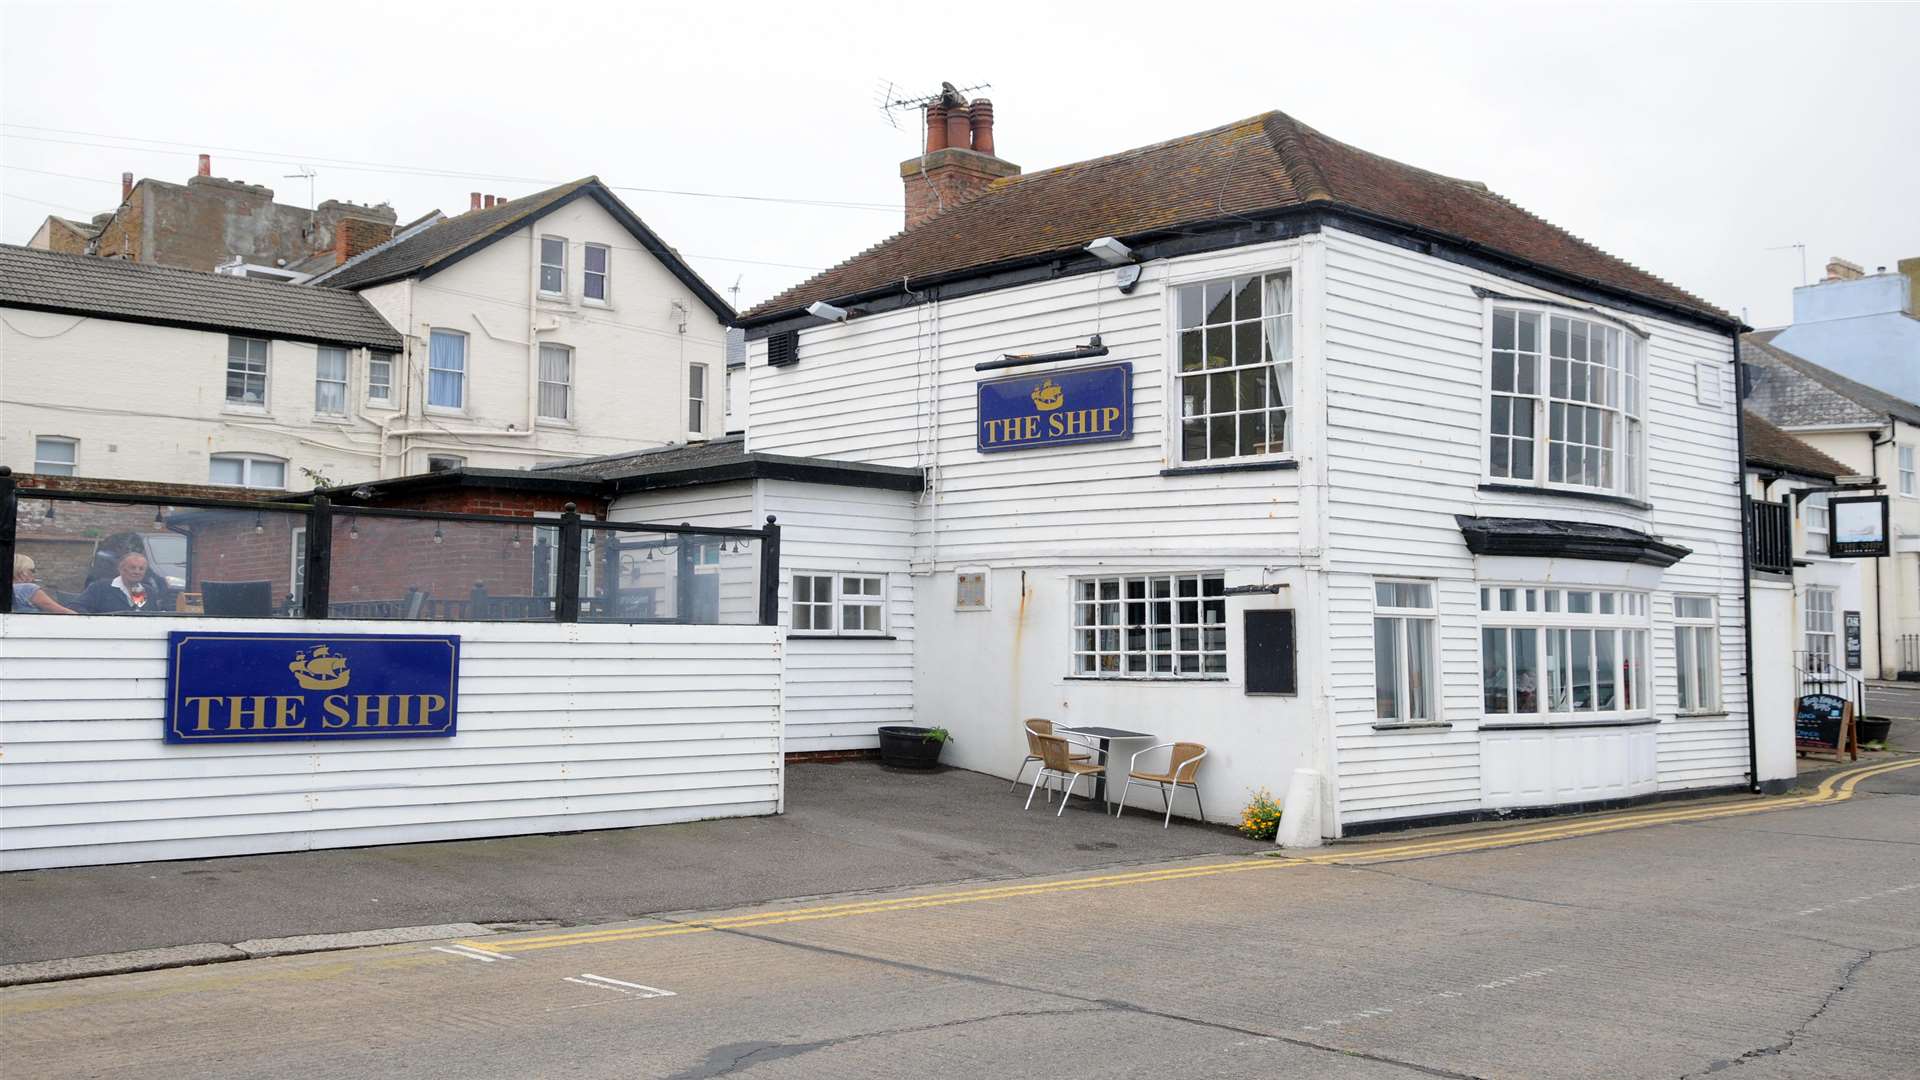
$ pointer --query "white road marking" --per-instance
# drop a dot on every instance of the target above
(1897, 889)
(1386, 1010)
(618, 987)
(472, 954)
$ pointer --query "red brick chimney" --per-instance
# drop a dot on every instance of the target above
(206, 164)
(960, 161)
(126, 186)
(474, 204)
(351, 236)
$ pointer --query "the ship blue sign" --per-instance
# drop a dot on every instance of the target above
(240, 687)
(1060, 408)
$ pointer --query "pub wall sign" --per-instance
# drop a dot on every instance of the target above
(242, 687)
(1059, 408)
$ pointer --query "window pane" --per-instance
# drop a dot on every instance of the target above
(596, 259)
(1419, 633)
(1558, 699)
(1494, 670)
(225, 471)
(1706, 660)
(1605, 668)
(1683, 664)
(1386, 668)
(1580, 651)
(1526, 672)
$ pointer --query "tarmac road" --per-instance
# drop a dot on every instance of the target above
(1756, 939)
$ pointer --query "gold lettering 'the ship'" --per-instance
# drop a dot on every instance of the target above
(325, 670)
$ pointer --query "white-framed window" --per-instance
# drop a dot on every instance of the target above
(697, 399)
(444, 462)
(447, 369)
(1696, 652)
(247, 372)
(330, 381)
(1563, 653)
(1819, 526)
(247, 470)
(1906, 471)
(598, 265)
(556, 382)
(1150, 626)
(853, 604)
(380, 378)
(1404, 668)
(970, 590)
(1234, 379)
(56, 455)
(553, 266)
(1566, 403)
(1818, 609)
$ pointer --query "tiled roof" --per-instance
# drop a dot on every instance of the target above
(1770, 447)
(1265, 163)
(441, 241)
(721, 460)
(162, 295)
(1792, 392)
(725, 451)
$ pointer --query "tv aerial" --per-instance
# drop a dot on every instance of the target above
(892, 102)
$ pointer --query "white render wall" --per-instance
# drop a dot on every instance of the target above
(583, 726)
(839, 691)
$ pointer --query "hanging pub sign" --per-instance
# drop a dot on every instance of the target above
(1823, 724)
(1059, 408)
(1859, 527)
(241, 687)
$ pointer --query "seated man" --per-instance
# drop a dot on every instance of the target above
(133, 590)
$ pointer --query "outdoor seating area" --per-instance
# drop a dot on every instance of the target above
(1067, 755)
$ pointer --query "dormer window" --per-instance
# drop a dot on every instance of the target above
(1566, 402)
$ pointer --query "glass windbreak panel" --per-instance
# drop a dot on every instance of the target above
(635, 574)
(422, 568)
(104, 558)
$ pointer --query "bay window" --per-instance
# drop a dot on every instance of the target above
(1150, 626)
(1562, 654)
(1404, 670)
(1566, 403)
(1235, 371)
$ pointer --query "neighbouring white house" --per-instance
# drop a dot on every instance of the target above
(1255, 439)
(1873, 438)
(524, 331)
(1863, 326)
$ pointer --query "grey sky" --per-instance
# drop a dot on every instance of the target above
(1686, 139)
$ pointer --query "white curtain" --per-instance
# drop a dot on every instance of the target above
(556, 380)
(447, 369)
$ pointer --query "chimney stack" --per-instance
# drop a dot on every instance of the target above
(960, 161)
(351, 236)
(474, 203)
(206, 164)
(1839, 269)
(126, 186)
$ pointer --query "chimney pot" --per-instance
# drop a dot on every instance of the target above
(981, 113)
(206, 164)
(936, 126)
(474, 203)
(1839, 269)
(126, 186)
(959, 127)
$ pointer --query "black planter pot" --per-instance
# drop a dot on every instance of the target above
(1872, 728)
(909, 748)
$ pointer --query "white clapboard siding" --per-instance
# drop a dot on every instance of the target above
(1404, 370)
(560, 728)
(868, 390)
(838, 691)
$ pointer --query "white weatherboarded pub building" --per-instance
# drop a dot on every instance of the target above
(1254, 439)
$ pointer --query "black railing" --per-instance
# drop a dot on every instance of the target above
(469, 567)
(1817, 673)
(1770, 537)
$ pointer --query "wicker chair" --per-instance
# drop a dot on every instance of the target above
(1038, 727)
(1183, 767)
(1057, 760)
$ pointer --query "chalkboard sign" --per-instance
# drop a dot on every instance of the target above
(1851, 621)
(1270, 651)
(1823, 723)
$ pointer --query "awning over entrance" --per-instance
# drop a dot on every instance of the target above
(1549, 539)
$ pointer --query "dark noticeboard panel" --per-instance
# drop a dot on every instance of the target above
(1823, 723)
(1270, 651)
(239, 687)
(1060, 408)
(1851, 622)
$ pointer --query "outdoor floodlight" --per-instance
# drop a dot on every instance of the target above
(820, 309)
(1110, 251)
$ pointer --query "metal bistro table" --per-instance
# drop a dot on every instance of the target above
(1101, 736)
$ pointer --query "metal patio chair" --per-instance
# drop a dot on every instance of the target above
(1036, 726)
(1056, 760)
(1183, 767)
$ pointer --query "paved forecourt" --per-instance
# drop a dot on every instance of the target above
(1780, 934)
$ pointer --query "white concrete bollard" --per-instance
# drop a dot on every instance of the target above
(1300, 813)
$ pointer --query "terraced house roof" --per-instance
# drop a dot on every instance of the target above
(1259, 165)
(1768, 447)
(189, 299)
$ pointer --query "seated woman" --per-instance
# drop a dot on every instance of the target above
(132, 591)
(28, 594)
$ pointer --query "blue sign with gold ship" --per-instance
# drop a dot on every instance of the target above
(240, 687)
(1060, 408)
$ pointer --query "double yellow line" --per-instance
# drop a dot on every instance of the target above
(1836, 788)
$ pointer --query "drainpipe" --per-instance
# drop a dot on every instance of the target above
(533, 328)
(1879, 612)
(1746, 561)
